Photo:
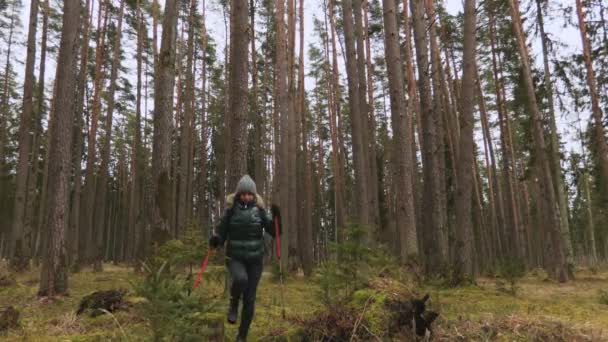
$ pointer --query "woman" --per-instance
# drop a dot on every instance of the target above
(242, 229)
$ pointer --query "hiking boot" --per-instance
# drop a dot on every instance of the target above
(233, 310)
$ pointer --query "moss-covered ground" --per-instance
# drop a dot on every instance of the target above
(541, 309)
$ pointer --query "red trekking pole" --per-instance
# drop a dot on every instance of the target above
(203, 267)
(278, 244)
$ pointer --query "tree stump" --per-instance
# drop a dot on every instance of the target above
(99, 301)
(9, 318)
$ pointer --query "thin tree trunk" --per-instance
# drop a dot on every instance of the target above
(334, 98)
(87, 218)
(434, 236)
(368, 120)
(35, 164)
(306, 244)
(281, 122)
(76, 231)
(509, 212)
(361, 214)
(54, 272)
(294, 255)
(554, 144)
(134, 221)
(551, 213)
(203, 207)
(183, 214)
(591, 244)
(102, 185)
(402, 122)
(494, 185)
(20, 237)
(600, 137)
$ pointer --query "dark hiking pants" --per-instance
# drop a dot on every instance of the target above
(245, 275)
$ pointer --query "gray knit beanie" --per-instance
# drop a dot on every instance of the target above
(246, 184)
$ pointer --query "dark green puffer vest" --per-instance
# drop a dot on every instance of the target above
(242, 226)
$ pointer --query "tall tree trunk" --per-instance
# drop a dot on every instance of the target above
(494, 184)
(357, 117)
(21, 238)
(183, 214)
(134, 220)
(555, 158)
(434, 237)
(551, 213)
(281, 146)
(509, 212)
(306, 238)
(259, 169)
(76, 231)
(163, 109)
(101, 223)
(30, 210)
(402, 122)
(203, 206)
(600, 137)
(238, 94)
(590, 229)
(463, 263)
(88, 211)
(54, 272)
(447, 132)
(368, 122)
(294, 255)
(333, 84)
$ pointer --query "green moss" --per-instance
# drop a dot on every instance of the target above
(371, 304)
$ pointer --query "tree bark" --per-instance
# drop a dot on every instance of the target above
(238, 94)
(54, 272)
(87, 218)
(547, 190)
(463, 263)
(510, 222)
(134, 219)
(600, 137)
(163, 109)
(555, 159)
(77, 231)
(101, 223)
(183, 214)
(368, 122)
(402, 122)
(281, 122)
(361, 214)
(334, 99)
(434, 237)
(306, 238)
(22, 238)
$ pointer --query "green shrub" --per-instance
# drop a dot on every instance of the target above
(174, 312)
(511, 270)
(189, 251)
(354, 262)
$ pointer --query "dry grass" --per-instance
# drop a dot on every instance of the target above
(542, 310)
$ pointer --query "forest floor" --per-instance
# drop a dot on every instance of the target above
(540, 310)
